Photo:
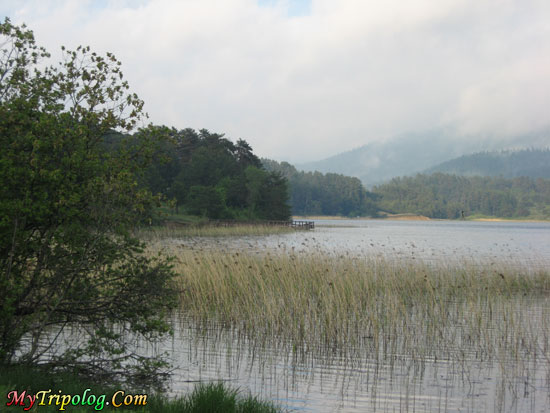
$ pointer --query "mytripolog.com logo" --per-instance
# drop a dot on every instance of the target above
(63, 401)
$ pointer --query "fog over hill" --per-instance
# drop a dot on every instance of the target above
(534, 163)
(412, 153)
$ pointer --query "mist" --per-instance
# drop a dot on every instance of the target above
(304, 80)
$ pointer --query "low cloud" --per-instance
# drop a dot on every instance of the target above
(305, 86)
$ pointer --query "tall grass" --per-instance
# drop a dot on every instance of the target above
(204, 398)
(318, 302)
(153, 234)
(213, 398)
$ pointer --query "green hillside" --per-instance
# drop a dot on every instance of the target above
(534, 163)
(445, 196)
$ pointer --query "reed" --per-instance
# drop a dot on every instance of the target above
(213, 398)
(343, 303)
(153, 234)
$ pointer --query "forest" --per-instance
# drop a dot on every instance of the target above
(442, 195)
(205, 174)
(314, 193)
(531, 162)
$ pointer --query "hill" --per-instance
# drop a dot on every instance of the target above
(413, 153)
(449, 196)
(534, 163)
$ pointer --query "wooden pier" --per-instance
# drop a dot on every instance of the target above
(302, 224)
(305, 225)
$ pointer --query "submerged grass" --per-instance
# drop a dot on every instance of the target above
(317, 302)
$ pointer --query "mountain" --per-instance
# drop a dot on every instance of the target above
(534, 163)
(412, 153)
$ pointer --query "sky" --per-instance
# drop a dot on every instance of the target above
(301, 80)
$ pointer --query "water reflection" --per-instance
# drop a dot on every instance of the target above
(363, 379)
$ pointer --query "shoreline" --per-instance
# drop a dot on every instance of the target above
(506, 220)
(396, 217)
(413, 217)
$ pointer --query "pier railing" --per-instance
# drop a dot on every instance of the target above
(270, 223)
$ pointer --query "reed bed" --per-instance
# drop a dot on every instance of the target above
(319, 303)
(153, 234)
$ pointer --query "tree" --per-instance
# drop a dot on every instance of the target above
(205, 201)
(274, 196)
(67, 207)
(245, 156)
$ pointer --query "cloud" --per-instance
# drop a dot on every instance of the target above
(512, 102)
(301, 85)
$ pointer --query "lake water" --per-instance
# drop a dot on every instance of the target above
(457, 378)
(362, 383)
(498, 367)
(520, 244)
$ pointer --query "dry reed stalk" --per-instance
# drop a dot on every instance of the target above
(326, 303)
(153, 234)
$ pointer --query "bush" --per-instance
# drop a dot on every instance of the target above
(67, 204)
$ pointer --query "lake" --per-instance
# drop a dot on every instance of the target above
(454, 374)
(524, 244)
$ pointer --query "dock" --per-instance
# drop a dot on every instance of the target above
(302, 225)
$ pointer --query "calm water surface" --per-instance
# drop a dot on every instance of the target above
(457, 378)
(525, 244)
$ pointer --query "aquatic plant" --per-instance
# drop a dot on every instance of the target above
(157, 233)
(319, 303)
(213, 398)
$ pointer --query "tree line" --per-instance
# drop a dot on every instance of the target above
(442, 195)
(206, 174)
(531, 162)
(436, 195)
(314, 193)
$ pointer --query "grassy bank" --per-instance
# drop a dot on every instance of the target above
(208, 397)
(346, 304)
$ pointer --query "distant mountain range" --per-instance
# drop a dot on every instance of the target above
(413, 153)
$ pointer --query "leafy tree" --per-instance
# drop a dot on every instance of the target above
(227, 173)
(164, 165)
(255, 179)
(235, 191)
(245, 156)
(205, 201)
(67, 204)
(208, 166)
(273, 204)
